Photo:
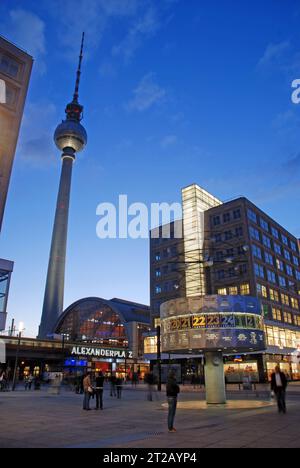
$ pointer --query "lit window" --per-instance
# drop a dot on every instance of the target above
(222, 292)
(245, 289)
(261, 290)
(274, 296)
(294, 303)
(276, 314)
(233, 291)
(285, 299)
(287, 317)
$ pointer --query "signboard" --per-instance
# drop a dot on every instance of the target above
(101, 352)
(211, 323)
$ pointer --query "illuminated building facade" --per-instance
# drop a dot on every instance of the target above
(15, 71)
(238, 251)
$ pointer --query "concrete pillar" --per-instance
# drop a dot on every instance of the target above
(214, 378)
(54, 291)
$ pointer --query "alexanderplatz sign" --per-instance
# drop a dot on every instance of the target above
(101, 352)
(212, 325)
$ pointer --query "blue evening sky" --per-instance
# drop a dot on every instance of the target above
(175, 92)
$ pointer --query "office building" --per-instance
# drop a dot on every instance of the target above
(15, 71)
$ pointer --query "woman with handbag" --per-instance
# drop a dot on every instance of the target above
(88, 391)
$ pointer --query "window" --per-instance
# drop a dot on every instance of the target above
(157, 289)
(282, 281)
(231, 272)
(284, 239)
(295, 260)
(277, 248)
(245, 289)
(271, 276)
(157, 256)
(233, 291)
(287, 317)
(289, 270)
(297, 273)
(229, 253)
(252, 216)
(269, 258)
(285, 299)
(261, 290)
(9, 66)
(265, 310)
(228, 235)
(279, 264)
(157, 273)
(226, 217)
(294, 303)
(297, 320)
(259, 270)
(218, 238)
(216, 220)
(219, 255)
(256, 251)
(237, 214)
(222, 292)
(220, 274)
(293, 246)
(275, 232)
(243, 269)
(274, 295)
(276, 314)
(266, 241)
(254, 233)
(264, 225)
(239, 232)
(287, 255)
(166, 269)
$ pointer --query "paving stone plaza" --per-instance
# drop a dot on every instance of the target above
(39, 419)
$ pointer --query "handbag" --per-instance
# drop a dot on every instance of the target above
(90, 390)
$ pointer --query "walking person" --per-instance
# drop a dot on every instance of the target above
(149, 379)
(87, 390)
(172, 394)
(99, 382)
(278, 386)
(113, 380)
(119, 384)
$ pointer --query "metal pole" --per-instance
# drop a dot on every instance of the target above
(16, 363)
(158, 359)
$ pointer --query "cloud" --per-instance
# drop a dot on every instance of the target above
(145, 26)
(26, 30)
(36, 147)
(147, 94)
(293, 164)
(274, 53)
(169, 140)
(91, 16)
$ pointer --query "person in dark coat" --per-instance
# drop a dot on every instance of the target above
(99, 386)
(278, 386)
(119, 384)
(172, 394)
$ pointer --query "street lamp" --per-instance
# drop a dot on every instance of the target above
(16, 359)
(158, 358)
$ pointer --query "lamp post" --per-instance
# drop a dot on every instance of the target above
(158, 358)
(16, 361)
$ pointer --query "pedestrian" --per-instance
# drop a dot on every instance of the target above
(119, 384)
(99, 382)
(278, 386)
(150, 381)
(172, 394)
(113, 380)
(30, 380)
(88, 391)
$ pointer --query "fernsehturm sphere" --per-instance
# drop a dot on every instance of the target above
(70, 137)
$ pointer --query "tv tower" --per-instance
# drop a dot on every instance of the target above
(70, 137)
